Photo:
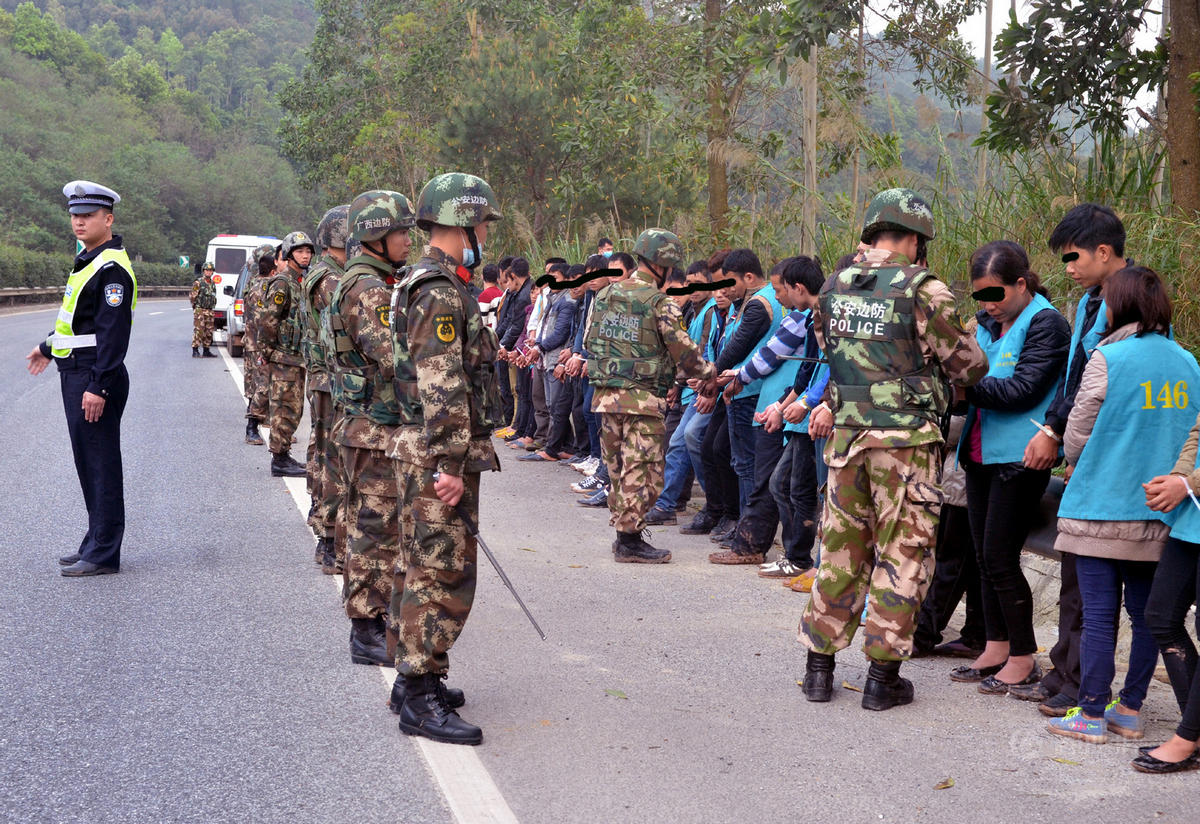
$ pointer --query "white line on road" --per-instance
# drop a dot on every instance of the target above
(468, 788)
(152, 314)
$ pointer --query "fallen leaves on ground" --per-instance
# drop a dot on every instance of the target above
(944, 784)
(616, 694)
(849, 686)
(1068, 761)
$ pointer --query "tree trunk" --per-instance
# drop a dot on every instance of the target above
(981, 177)
(808, 237)
(862, 72)
(717, 126)
(1183, 122)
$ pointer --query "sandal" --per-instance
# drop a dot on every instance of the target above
(994, 686)
(966, 674)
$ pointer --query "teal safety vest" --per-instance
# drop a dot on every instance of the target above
(64, 340)
(775, 309)
(820, 372)
(1089, 337)
(1005, 434)
(775, 385)
(1143, 423)
(700, 331)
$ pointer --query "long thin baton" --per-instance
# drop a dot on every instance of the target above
(473, 530)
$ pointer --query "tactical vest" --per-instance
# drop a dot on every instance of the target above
(64, 340)
(316, 355)
(624, 343)
(291, 328)
(355, 383)
(879, 379)
(206, 296)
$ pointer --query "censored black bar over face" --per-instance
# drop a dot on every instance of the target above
(701, 287)
(990, 294)
(556, 285)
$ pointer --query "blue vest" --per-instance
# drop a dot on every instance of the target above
(1138, 434)
(775, 385)
(1005, 434)
(1090, 337)
(694, 330)
(776, 309)
(818, 374)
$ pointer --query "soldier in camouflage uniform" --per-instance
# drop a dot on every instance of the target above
(204, 298)
(637, 343)
(254, 371)
(356, 333)
(445, 387)
(893, 340)
(325, 487)
(280, 338)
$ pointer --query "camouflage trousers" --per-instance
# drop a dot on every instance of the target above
(372, 531)
(286, 397)
(435, 578)
(202, 327)
(324, 467)
(878, 528)
(255, 380)
(632, 446)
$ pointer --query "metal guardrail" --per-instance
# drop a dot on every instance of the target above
(51, 294)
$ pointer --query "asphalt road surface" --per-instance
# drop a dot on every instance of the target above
(210, 680)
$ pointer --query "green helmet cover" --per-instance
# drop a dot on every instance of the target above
(375, 213)
(334, 229)
(660, 247)
(898, 207)
(293, 241)
(456, 199)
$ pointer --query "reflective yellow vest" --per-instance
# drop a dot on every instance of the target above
(64, 339)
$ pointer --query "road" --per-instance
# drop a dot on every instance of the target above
(210, 680)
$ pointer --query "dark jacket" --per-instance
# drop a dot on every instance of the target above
(511, 322)
(1038, 368)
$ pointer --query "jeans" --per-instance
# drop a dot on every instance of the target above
(1176, 584)
(1002, 502)
(678, 462)
(559, 397)
(693, 439)
(741, 445)
(541, 412)
(794, 488)
(592, 420)
(1101, 581)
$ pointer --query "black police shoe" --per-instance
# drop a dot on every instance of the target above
(427, 712)
(85, 569)
(195, 351)
(208, 353)
(324, 547)
(633, 549)
(885, 688)
(252, 435)
(702, 524)
(284, 465)
(454, 697)
(818, 677)
(368, 642)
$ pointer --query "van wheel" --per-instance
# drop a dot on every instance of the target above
(235, 349)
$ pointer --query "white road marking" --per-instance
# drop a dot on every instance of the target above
(186, 309)
(152, 314)
(468, 788)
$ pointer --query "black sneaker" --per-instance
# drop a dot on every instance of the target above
(701, 524)
(599, 499)
(657, 517)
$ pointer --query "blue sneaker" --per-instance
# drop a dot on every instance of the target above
(1126, 726)
(1074, 725)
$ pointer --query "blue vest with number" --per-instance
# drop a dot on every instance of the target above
(775, 308)
(1090, 337)
(1143, 423)
(1005, 434)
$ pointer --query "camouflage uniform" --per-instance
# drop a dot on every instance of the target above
(446, 390)
(325, 486)
(254, 369)
(883, 496)
(280, 327)
(204, 298)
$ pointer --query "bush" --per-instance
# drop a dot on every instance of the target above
(24, 269)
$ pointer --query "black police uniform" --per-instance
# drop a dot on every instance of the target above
(99, 369)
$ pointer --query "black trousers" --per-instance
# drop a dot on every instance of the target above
(97, 450)
(757, 526)
(956, 573)
(1002, 503)
(561, 437)
(1176, 584)
(1064, 656)
(722, 491)
(582, 443)
(506, 393)
(525, 424)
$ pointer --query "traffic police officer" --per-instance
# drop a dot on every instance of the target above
(204, 298)
(448, 404)
(88, 344)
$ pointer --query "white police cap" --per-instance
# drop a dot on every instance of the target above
(84, 197)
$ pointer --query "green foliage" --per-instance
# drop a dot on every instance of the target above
(25, 269)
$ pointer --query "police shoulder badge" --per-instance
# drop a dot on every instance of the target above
(444, 328)
(114, 294)
(385, 315)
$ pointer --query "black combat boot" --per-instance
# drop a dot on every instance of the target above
(818, 677)
(324, 547)
(195, 351)
(633, 549)
(368, 643)
(885, 688)
(426, 711)
(454, 697)
(283, 465)
(329, 562)
(252, 436)
(208, 353)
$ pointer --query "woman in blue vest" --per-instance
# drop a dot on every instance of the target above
(1026, 342)
(1131, 415)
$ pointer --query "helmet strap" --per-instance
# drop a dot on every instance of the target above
(381, 252)
(474, 241)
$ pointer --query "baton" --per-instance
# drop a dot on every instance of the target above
(473, 531)
(799, 358)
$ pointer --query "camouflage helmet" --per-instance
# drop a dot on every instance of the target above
(264, 251)
(208, 266)
(295, 240)
(456, 199)
(375, 213)
(898, 207)
(334, 228)
(660, 247)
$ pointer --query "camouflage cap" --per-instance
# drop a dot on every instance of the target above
(208, 264)
(296, 240)
(899, 207)
(456, 199)
(375, 213)
(264, 251)
(660, 247)
(334, 228)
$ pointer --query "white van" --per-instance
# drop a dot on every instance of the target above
(228, 254)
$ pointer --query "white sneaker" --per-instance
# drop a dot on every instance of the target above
(592, 468)
(783, 568)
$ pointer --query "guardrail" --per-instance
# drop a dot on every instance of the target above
(52, 294)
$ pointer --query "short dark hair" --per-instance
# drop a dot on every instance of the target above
(717, 260)
(505, 262)
(595, 262)
(895, 233)
(1007, 262)
(603, 242)
(625, 259)
(1136, 294)
(699, 267)
(560, 267)
(519, 268)
(743, 261)
(675, 276)
(1088, 226)
(491, 273)
(803, 270)
(575, 270)
(551, 260)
